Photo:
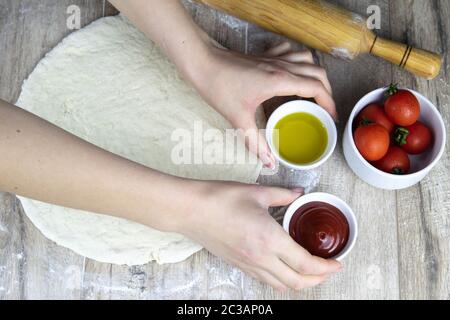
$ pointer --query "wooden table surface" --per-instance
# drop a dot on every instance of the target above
(403, 250)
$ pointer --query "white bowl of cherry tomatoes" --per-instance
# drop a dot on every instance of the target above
(393, 138)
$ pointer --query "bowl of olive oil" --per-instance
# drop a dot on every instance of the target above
(301, 135)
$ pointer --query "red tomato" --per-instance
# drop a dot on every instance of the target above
(414, 139)
(374, 113)
(372, 141)
(395, 161)
(402, 107)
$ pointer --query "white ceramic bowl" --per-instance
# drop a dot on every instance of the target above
(420, 164)
(307, 107)
(334, 201)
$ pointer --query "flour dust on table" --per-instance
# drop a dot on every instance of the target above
(110, 85)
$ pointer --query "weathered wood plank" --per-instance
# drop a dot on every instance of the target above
(411, 262)
(12, 259)
(33, 267)
(371, 270)
(109, 9)
(50, 271)
(423, 211)
(29, 30)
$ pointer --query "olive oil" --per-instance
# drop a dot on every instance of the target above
(300, 138)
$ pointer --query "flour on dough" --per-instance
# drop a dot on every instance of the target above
(111, 86)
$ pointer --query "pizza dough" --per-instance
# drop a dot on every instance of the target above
(111, 86)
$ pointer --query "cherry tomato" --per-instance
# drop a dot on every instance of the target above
(413, 139)
(402, 107)
(396, 161)
(374, 113)
(372, 141)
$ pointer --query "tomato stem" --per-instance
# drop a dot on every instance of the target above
(392, 89)
(400, 136)
(398, 171)
(365, 122)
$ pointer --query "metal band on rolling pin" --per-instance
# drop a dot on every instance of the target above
(406, 56)
(373, 44)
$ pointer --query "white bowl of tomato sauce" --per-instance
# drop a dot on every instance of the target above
(323, 224)
(419, 164)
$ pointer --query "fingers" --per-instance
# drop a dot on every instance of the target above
(298, 57)
(256, 142)
(260, 274)
(283, 52)
(302, 64)
(277, 50)
(308, 70)
(302, 261)
(291, 278)
(286, 84)
(266, 277)
(277, 197)
(313, 88)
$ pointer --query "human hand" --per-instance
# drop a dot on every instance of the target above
(236, 85)
(231, 220)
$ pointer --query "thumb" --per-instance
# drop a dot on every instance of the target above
(256, 141)
(277, 197)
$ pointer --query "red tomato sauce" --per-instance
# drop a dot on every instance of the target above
(320, 228)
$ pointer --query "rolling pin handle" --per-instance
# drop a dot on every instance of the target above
(417, 61)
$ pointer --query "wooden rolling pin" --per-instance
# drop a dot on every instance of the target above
(331, 29)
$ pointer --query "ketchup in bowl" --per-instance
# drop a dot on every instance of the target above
(320, 228)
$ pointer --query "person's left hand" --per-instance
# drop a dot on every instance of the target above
(236, 85)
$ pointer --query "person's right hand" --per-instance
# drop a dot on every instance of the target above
(231, 220)
(237, 84)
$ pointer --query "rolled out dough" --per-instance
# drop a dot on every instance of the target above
(111, 86)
